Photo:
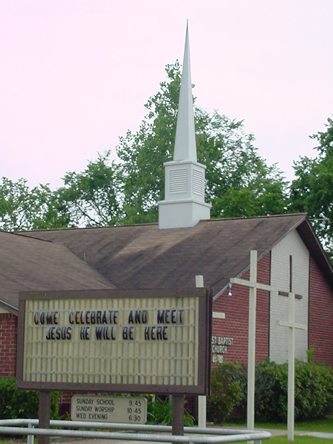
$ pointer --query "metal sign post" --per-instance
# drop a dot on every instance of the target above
(44, 415)
(178, 415)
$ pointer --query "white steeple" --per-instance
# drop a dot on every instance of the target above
(185, 148)
(184, 204)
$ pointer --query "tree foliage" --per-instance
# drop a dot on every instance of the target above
(312, 189)
(239, 182)
(94, 196)
(143, 153)
(22, 208)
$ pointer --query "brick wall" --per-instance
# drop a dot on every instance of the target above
(8, 332)
(320, 316)
(235, 324)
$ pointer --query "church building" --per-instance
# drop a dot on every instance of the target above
(185, 244)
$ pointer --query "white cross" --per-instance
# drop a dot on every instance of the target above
(292, 325)
(253, 285)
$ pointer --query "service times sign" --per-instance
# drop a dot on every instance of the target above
(123, 341)
(109, 409)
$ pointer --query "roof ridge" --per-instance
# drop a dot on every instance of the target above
(83, 228)
(217, 219)
(305, 215)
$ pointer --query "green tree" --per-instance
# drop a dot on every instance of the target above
(94, 196)
(143, 153)
(312, 189)
(239, 183)
(22, 208)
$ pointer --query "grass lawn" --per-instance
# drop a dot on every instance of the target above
(319, 425)
(298, 440)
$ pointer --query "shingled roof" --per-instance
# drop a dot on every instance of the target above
(143, 256)
(31, 264)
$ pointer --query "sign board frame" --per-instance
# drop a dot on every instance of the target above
(203, 356)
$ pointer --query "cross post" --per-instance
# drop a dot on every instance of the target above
(253, 285)
(292, 325)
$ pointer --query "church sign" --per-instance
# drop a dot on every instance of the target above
(115, 340)
(220, 346)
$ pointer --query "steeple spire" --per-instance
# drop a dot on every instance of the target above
(184, 204)
(185, 148)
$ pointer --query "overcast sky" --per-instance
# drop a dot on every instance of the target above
(75, 74)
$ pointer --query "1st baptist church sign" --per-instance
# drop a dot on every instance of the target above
(115, 340)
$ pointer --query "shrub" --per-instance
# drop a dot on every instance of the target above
(228, 392)
(271, 392)
(159, 411)
(17, 403)
(313, 391)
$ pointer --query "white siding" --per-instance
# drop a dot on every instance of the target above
(3, 311)
(294, 246)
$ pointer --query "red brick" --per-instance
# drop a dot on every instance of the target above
(320, 316)
(8, 327)
(235, 325)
